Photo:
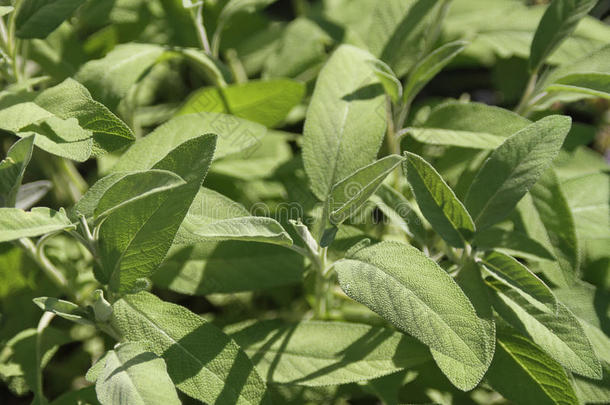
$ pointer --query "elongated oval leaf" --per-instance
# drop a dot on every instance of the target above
(312, 353)
(65, 309)
(517, 276)
(522, 372)
(559, 334)
(429, 67)
(558, 22)
(133, 375)
(437, 202)
(592, 84)
(134, 239)
(350, 193)
(517, 244)
(513, 168)
(202, 361)
(12, 169)
(267, 102)
(38, 18)
(412, 292)
(345, 121)
(16, 223)
(468, 125)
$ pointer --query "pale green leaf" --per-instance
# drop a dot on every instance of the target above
(513, 168)
(235, 135)
(588, 197)
(70, 99)
(389, 81)
(38, 18)
(594, 391)
(134, 187)
(515, 275)
(267, 102)
(201, 360)
(557, 333)
(313, 353)
(16, 223)
(134, 239)
(558, 22)
(437, 202)
(30, 193)
(109, 79)
(349, 194)
(12, 169)
(64, 309)
(228, 267)
(513, 243)
(522, 372)
(430, 66)
(4, 10)
(346, 120)
(462, 375)
(413, 293)
(593, 84)
(399, 212)
(133, 375)
(468, 125)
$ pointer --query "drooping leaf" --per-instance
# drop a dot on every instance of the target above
(437, 202)
(522, 372)
(70, 99)
(16, 223)
(345, 121)
(201, 360)
(312, 353)
(513, 168)
(515, 275)
(468, 125)
(109, 79)
(133, 375)
(64, 309)
(349, 194)
(557, 23)
(134, 239)
(38, 18)
(430, 66)
(235, 135)
(12, 169)
(267, 102)
(413, 293)
(462, 375)
(228, 267)
(557, 333)
(389, 81)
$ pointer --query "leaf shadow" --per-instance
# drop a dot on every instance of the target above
(366, 92)
(138, 359)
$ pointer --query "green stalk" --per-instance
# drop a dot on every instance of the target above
(523, 105)
(199, 24)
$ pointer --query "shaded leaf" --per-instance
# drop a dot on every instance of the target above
(16, 223)
(12, 169)
(38, 18)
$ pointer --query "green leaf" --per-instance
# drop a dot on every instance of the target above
(388, 80)
(593, 84)
(70, 99)
(214, 217)
(313, 353)
(559, 230)
(109, 79)
(4, 10)
(16, 223)
(65, 309)
(399, 212)
(346, 120)
(133, 375)
(515, 275)
(593, 391)
(557, 333)
(201, 360)
(235, 135)
(349, 194)
(558, 22)
(267, 102)
(588, 197)
(523, 373)
(12, 169)
(468, 125)
(513, 168)
(513, 243)
(133, 187)
(83, 396)
(437, 202)
(430, 66)
(413, 293)
(38, 18)
(462, 375)
(135, 238)
(228, 267)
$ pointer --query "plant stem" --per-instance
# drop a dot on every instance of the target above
(321, 288)
(36, 252)
(44, 322)
(199, 24)
(527, 94)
